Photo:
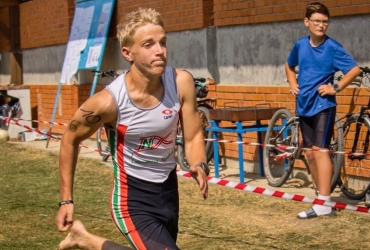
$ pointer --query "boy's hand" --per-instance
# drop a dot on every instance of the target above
(294, 90)
(326, 89)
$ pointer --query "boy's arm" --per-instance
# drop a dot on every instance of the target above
(292, 79)
(330, 89)
(348, 78)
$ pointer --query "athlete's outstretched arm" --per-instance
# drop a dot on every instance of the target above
(98, 109)
(192, 129)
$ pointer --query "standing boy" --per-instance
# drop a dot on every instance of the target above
(318, 57)
(141, 110)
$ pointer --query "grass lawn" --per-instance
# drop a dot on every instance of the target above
(228, 219)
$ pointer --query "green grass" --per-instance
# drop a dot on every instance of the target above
(229, 219)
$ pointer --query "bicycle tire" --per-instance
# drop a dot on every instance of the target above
(102, 143)
(277, 171)
(206, 122)
(351, 178)
(336, 145)
(181, 157)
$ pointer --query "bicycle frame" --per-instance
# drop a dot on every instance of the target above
(361, 117)
(294, 150)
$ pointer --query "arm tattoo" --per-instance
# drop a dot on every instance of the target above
(73, 125)
(90, 117)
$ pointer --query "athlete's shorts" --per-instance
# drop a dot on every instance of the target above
(147, 213)
(318, 130)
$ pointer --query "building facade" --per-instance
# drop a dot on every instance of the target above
(242, 45)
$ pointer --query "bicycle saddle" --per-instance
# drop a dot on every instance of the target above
(200, 79)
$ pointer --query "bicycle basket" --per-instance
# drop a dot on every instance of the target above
(201, 91)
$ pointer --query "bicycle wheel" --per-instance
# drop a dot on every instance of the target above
(337, 159)
(102, 142)
(181, 158)
(353, 178)
(278, 169)
(206, 122)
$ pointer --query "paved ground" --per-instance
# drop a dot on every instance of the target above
(293, 186)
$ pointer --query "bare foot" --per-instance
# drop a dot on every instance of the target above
(76, 235)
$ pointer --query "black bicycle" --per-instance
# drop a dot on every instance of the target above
(354, 176)
(283, 147)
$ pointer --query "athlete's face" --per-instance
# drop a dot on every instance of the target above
(149, 51)
(317, 24)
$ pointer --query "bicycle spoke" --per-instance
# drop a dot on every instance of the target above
(276, 165)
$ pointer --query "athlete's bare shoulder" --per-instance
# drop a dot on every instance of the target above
(183, 76)
(102, 105)
(185, 86)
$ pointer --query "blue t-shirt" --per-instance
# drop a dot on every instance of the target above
(317, 66)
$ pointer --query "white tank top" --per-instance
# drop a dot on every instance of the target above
(142, 145)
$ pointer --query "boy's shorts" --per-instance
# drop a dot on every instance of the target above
(318, 130)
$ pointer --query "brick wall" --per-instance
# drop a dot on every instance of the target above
(43, 99)
(48, 22)
(45, 22)
(178, 15)
(260, 11)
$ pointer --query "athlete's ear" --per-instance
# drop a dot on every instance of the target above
(126, 53)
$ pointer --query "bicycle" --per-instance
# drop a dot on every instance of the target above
(204, 106)
(356, 131)
(101, 133)
(283, 147)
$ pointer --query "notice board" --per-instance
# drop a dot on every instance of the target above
(85, 48)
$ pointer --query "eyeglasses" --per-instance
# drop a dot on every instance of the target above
(318, 22)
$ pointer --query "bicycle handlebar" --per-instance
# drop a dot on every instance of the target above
(108, 72)
(365, 70)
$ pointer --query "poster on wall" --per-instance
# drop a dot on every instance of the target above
(77, 42)
(87, 39)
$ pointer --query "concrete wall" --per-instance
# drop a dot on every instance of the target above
(256, 53)
(243, 54)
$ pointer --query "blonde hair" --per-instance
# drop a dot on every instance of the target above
(134, 20)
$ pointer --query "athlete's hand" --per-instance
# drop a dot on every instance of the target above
(200, 176)
(64, 218)
(326, 89)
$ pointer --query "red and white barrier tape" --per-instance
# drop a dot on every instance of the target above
(279, 194)
(19, 119)
(54, 137)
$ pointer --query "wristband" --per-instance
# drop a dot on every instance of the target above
(204, 166)
(65, 202)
